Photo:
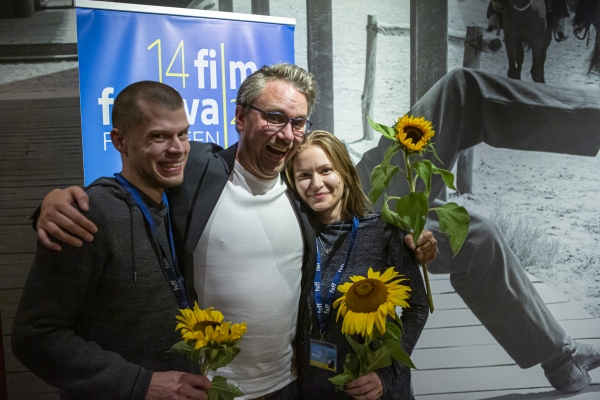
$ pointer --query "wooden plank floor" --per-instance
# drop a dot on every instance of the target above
(40, 148)
(459, 359)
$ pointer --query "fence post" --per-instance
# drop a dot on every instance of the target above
(226, 5)
(428, 48)
(370, 68)
(260, 7)
(320, 59)
(464, 167)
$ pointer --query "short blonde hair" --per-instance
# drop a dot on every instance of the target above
(354, 201)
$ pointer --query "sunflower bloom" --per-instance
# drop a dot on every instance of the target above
(368, 301)
(207, 326)
(414, 133)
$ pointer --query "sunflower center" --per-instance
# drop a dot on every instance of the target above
(200, 326)
(414, 134)
(365, 296)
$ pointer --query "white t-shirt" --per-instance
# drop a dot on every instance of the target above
(248, 265)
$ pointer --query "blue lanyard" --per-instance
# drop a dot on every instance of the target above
(173, 275)
(324, 310)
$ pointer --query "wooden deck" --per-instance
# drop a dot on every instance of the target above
(40, 148)
(459, 359)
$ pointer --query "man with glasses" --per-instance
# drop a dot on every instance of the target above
(246, 243)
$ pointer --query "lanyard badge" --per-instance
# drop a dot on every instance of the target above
(322, 354)
(172, 272)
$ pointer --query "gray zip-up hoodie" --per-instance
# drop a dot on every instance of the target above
(96, 321)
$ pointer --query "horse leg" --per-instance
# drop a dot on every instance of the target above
(538, 52)
(514, 51)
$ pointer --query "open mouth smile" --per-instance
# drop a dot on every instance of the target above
(171, 166)
(278, 151)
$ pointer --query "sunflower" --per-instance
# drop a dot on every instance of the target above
(206, 326)
(368, 301)
(413, 133)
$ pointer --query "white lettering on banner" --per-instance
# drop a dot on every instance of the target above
(243, 68)
(106, 140)
(201, 63)
(210, 112)
(327, 308)
(319, 307)
(213, 110)
(204, 136)
(317, 286)
(105, 101)
(209, 138)
(191, 117)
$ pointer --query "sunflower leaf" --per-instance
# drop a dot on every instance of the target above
(183, 348)
(341, 379)
(224, 357)
(380, 179)
(447, 176)
(351, 369)
(399, 354)
(383, 174)
(352, 364)
(399, 321)
(413, 208)
(435, 154)
(424, 168)
(380, 358)
(223, 390)
(392, 332)
(386, 131)
(454, 221)
(360, 349)
(391, 217)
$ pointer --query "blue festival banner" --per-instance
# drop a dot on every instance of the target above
(205, 55)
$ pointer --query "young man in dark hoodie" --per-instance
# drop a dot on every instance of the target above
(97, 321)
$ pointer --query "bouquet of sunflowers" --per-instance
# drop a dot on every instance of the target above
(211, 342)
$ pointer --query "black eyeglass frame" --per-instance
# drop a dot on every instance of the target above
(307, 125)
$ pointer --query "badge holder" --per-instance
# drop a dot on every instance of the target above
(323, 355)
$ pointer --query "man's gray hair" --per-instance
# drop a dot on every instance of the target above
(302, 80)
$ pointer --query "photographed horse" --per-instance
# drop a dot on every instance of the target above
(587, 14)
(525, 25)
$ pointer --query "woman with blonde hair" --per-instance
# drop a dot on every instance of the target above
(350, 240)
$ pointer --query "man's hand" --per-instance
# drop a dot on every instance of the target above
(366, 387)
(426, 249)
(62, 221)
(173, 385)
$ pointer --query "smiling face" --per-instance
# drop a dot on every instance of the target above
(154, 152)
(261, 151)
(318, 184)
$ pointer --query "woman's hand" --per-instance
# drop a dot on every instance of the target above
(426, 249)
(366, 387)
(60, 220)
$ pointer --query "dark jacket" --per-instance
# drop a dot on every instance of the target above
(206, 174)
(85, 324)
(379, 246)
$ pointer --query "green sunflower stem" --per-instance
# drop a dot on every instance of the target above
(204, 367)
(409, 172)
(412, 185)
(428, 287)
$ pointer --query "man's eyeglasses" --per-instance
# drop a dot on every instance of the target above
(276, 121)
